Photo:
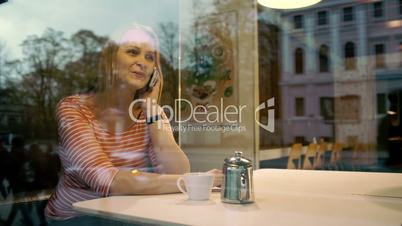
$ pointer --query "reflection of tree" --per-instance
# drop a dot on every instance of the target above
(169, 43)
(39, 68)
(53, 67)
(80, 74)
(3, 59)
(169, 46)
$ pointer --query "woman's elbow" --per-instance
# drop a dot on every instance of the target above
(121, 183)
(181, 166)
(186, 166)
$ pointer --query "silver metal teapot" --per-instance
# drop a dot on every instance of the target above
(237, 183)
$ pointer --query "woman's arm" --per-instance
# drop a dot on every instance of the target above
(125, 182)
(142, 183)
(171, 159)
(86, 157)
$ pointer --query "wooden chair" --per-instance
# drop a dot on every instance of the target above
(336, 155)
(310, 157)
(319, 163)
(294, 155)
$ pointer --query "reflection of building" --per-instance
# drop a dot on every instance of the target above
(268, 62)
(340, 59)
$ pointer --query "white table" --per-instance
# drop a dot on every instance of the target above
(283, 197)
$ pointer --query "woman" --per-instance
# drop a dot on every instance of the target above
(103, 150)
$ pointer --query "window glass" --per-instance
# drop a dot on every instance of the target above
(55, 57)
(348, 14)
(299, 106)
(298, 21)
(378, 9)
(400, 53)
(400, 7)
(323, 56)
(322, 18)
(381, 103)
(299, 61)
(229, 70)
(350, 60)
(327, 108)
(379, 50)
(300, 139)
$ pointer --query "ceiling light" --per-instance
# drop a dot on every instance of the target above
(287, 4)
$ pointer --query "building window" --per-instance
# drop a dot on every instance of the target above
(348, 108)
(378, 10)
(381, 103)
(348, 14)
(400, 6)
(400, 54)
(327, 108)
(322, 18)
(350, 59)
(379, 51)
(299, 61)
(298, 21)
(299, 106)
(323, 58)
(300, 139)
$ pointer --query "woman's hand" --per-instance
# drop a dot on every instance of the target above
(217, 176)
(153, 92)
(151, 96)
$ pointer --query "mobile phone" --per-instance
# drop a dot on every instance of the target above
(153, 79)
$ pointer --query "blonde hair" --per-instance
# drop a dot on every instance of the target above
(107, 64)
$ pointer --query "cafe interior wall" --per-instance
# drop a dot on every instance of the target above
(226, 29)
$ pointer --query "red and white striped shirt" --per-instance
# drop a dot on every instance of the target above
(91, 155)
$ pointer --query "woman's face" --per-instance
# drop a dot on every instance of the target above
(135, 60)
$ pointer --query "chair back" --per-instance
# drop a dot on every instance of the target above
(294, 156)
(320, 160)
(310, 157)
(336, 153)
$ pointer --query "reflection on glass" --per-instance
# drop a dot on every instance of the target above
(352, 74)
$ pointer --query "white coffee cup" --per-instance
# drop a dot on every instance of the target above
(198, 185)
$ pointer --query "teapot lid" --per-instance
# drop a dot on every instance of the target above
(238, 160)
